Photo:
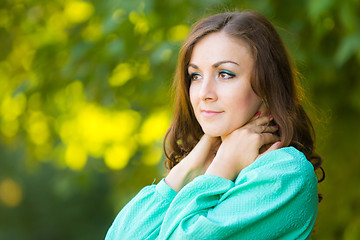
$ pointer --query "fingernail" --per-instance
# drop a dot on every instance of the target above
(278, 144)
(257, 114)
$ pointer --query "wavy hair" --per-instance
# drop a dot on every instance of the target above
(274, 80)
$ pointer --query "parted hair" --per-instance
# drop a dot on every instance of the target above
(274, 79)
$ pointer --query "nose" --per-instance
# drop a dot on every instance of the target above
(208, 90)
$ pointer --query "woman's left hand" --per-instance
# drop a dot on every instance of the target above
(242, 147)
(194, 164)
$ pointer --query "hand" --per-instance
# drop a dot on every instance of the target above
(194, 164)
(242, 147)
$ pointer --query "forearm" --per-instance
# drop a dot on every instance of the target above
(223, 169)
(194, 164)
(180, 175)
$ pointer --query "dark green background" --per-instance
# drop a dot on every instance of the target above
(84, 103)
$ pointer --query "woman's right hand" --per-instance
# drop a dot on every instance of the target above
(243, 146)
(194, 164)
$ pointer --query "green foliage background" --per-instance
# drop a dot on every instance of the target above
(84, 103)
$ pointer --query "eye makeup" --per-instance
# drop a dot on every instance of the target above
(194, 76)
(226, 74)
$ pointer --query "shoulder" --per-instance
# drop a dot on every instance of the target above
(279, 190)
(284, 172)
(283, 162)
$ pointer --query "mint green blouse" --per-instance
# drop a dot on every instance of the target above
(273, 198)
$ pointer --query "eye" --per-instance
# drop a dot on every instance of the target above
(226, 74)
(195, 76)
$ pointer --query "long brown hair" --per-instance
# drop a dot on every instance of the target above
(274, 79)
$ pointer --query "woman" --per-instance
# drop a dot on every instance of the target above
(240, 149)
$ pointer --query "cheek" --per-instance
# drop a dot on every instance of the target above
(253, 101)
(193, 97)
(247, 105)
(193, 102)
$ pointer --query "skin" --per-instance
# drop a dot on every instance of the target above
(220, 90)
(225, 106)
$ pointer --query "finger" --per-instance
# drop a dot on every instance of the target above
(267, 129)
(256, 116)
(265, 120)
(273, 147)
(268, 138)
(259, 120)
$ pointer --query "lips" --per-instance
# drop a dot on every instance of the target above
(210, 113)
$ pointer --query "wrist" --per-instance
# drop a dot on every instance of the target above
(180, 175)
(224, 169)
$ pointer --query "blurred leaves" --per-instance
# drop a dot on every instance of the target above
(85, 103)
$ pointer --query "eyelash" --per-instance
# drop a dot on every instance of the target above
(193, 75)
(228, 73)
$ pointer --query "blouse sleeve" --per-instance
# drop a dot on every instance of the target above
(273, 198)
(142, 217)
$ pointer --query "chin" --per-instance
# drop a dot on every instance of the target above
(215, 132)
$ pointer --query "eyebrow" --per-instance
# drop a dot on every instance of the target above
(215, 65)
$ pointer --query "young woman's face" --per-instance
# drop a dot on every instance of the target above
(220, 92)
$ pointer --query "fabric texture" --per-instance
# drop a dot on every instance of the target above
(273, 198)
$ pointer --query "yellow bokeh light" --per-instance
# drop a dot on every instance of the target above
(75, 88)
(91, 124)
(154, 127)
(22, 56)
(144, 68)
(37, 128)
(178, 32)
(95, 128)
(78, 11)
(75, 157)
(55, 30)
(158, 36)
(11, 108)
(39, 132)
(71, 98)
(140, 22)
(152, 156)
(118, 156)
(93, 31)
(10, 193)
(10, 128)
(122, 125)
(68, 131)
(74, 94)
(121, 74)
